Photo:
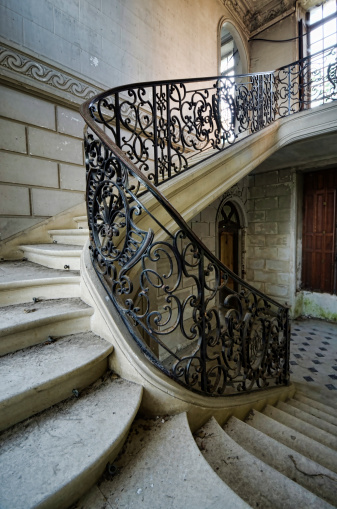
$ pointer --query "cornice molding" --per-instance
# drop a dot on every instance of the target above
(19, 67)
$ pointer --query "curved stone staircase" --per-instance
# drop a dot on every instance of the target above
(259, 462)
(63, 414)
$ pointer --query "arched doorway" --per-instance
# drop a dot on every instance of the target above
(229, 238)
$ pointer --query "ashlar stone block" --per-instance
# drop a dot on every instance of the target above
(46, 202)
(254, 263)
(266, 228)
(276, 290)
(278, 265)
(55, 146)
(266, 203)
(257, 192)
(26, 108)
(69, 122)
(268, 253)
(263, 179)
(12, 136)
(256, 240)
(14, 201)
(278, 215)
(257, 216)
(72, 177)
(19, 169)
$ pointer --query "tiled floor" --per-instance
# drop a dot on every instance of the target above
(313, 353)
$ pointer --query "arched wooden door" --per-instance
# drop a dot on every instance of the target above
(229, 227)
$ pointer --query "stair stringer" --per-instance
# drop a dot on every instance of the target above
(193, 190)
(161, 395)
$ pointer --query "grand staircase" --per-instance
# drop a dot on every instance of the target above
(70, 434)
(65, 416)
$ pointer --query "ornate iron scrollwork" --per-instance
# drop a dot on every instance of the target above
(191, 316)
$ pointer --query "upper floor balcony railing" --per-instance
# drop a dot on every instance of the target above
(167, 127)
(192, 317)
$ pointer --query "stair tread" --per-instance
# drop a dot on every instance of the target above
(303, 427)
(80, 218)
(293, 439)
(53, 458)
(31, 368)
(70, 231)
(314, 403)
(53, 249)
(258, 483)
(304, 471)
(160, 466)
(313, 411)
(23, 316)
(307, 417)
(21, 271)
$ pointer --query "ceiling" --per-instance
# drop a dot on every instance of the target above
(317, 152)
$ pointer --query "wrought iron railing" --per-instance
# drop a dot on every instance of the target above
(197, 321)
(167, 127)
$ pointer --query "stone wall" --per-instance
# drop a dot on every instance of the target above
(268, 201)
(41, 160)
(271, 233)
(57, 54)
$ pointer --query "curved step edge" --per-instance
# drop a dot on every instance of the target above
(302, 470)
(303, 427)
(52, 459)
(294, 440)
(24, 335)
(242, 472)
(56, 384)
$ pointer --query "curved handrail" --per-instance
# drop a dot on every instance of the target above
(192, 317)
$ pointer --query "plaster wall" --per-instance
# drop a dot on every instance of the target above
(268, 56)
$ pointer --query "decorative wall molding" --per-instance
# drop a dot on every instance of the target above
(19, 66)
(253, 20)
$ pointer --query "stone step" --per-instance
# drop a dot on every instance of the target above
(38, 377)
(257, 483)
(52, 459)
(161, 467)
(303, 427)
(46, 284)
(313, 411)
(327, 408)
(82, 221)
(54, 256)
(294, 440)
(290, 463)
(76, 237)
(307, 417)
(28, 324)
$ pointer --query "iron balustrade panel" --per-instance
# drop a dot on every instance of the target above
(167, 127)
(192, 317)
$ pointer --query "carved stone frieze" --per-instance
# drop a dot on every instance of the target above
(24, 66)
